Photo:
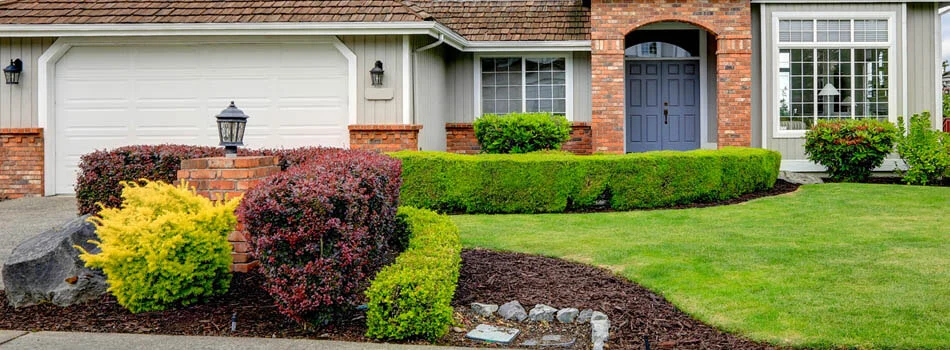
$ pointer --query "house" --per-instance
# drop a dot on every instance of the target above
(632, 75)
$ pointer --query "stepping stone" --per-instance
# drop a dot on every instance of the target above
(557, 340)
(492, 334)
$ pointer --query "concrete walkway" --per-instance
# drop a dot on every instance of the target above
(23, 218)
(108, 341)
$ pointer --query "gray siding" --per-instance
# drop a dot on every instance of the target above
(712, 86)
(757, 118)
(460, 72)
(793, 148)
(582, 87)
(368, 50)
(924, 68)
(429, 93)
(18, 103)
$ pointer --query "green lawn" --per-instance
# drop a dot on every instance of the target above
(829, 265)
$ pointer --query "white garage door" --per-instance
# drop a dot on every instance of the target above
(296, 95)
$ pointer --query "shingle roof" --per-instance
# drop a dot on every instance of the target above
(476, 20)
(506, 20)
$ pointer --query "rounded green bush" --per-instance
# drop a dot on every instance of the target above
(850, 148)
(521, 132)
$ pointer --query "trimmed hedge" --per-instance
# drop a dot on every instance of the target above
(321, 230)
(532, 183)
(521, 132)
(102, 172)
(412, 297)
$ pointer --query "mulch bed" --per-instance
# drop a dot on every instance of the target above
(486, 276)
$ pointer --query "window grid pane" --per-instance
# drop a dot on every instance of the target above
(501, 85)
(796, 31)
(546, 85)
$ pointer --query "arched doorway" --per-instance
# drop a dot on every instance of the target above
(669, 77)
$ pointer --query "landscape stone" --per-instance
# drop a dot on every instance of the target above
(584, 316)
(542, 312)
(567, 315)
(47, 268)
(597, 315)
(484, 310)
(599, 332)
(531, 342)
(492, 334)
(512, 311)
(799, 178)
(557, 340)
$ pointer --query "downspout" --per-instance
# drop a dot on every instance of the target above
(414, 83)
(432, 45)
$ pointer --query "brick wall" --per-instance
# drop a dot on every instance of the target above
(729, 20)
(385, 138)
(220, 178)
(946, 124)
(460, 138)
(21, 163)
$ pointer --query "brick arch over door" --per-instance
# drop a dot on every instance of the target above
(731, 23)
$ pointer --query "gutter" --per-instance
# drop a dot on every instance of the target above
(437, 43)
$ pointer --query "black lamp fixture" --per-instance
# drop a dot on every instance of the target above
(231, 123)
(376, 74)
(12, 72)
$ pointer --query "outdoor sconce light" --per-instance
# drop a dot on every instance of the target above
(12, 72)
(231, 123)
(376, 74)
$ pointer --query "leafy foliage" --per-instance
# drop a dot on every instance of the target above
(165, 246)
(925, 150)
(552, 182)
(101, 172)
(521, 132)
(850, 148)
(412, 297)
(321, 230)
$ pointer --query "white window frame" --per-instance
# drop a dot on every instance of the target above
(568, 78)
(890, 45)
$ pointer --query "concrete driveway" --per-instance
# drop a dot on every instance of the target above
(23, 218)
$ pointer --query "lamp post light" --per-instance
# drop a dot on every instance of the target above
(376, 74)
(231, 123)
(12, 72)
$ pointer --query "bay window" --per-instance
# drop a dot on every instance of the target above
(523, 84)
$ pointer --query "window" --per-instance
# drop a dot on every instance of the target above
(830, 69)
(523, 84)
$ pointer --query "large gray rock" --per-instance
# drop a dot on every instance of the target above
(567, 315)
(542, 312)
(512, 311)
(799, 178)
(47, 268)
(584, 316)
(484, 310)
(599, 332)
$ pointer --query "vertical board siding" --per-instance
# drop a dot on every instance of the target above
(757, 40)
(582, 87)
(794, 148)
(430, 93)
(712, 90)
(18, 102)
(923, 74)
(368, 50)
(460, 72)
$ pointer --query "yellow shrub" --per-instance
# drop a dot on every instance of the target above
(164, 246)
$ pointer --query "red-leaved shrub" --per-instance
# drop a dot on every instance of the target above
(101, 172)
(321, 230)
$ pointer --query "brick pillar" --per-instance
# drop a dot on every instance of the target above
(734, 72)
(607, 93)
(226, 178)
(21, 163)
(385, 138)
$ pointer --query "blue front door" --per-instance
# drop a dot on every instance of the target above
(662, 105)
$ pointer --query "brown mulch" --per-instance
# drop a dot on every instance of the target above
(486, 276)
(780, 187)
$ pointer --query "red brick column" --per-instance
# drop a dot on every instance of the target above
(460, 138)
(946, 124)
(734, 69)
(385, 138)
(21, 163)
(226, 178)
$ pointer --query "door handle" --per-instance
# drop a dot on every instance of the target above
(666, 113)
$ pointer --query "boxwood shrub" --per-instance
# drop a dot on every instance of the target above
(521, 132)
(850, 148)
(412, 297)
(553, 182)
(101, 172)
(321, 230)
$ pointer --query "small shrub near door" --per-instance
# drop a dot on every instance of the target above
(166, 246)
(322, 229)
(925, 151)
(850, 148)
(521, 132)
(412, 298)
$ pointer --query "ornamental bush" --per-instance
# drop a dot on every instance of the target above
(850, 148)
(102, 172)
(322, 229)
(521, 132)
(552, 182)
(925, 151)
(413, 297)
(165, 246)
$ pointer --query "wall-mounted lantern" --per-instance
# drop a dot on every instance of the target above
(231, 123)
(12, 72)
(376, 74)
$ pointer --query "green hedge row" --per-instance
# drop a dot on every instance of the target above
(554, 182)
(412, 297)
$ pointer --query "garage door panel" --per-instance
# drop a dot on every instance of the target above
(122, 95)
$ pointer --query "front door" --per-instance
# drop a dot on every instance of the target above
(662, 105)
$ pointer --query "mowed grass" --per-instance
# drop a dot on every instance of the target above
(832, 265)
